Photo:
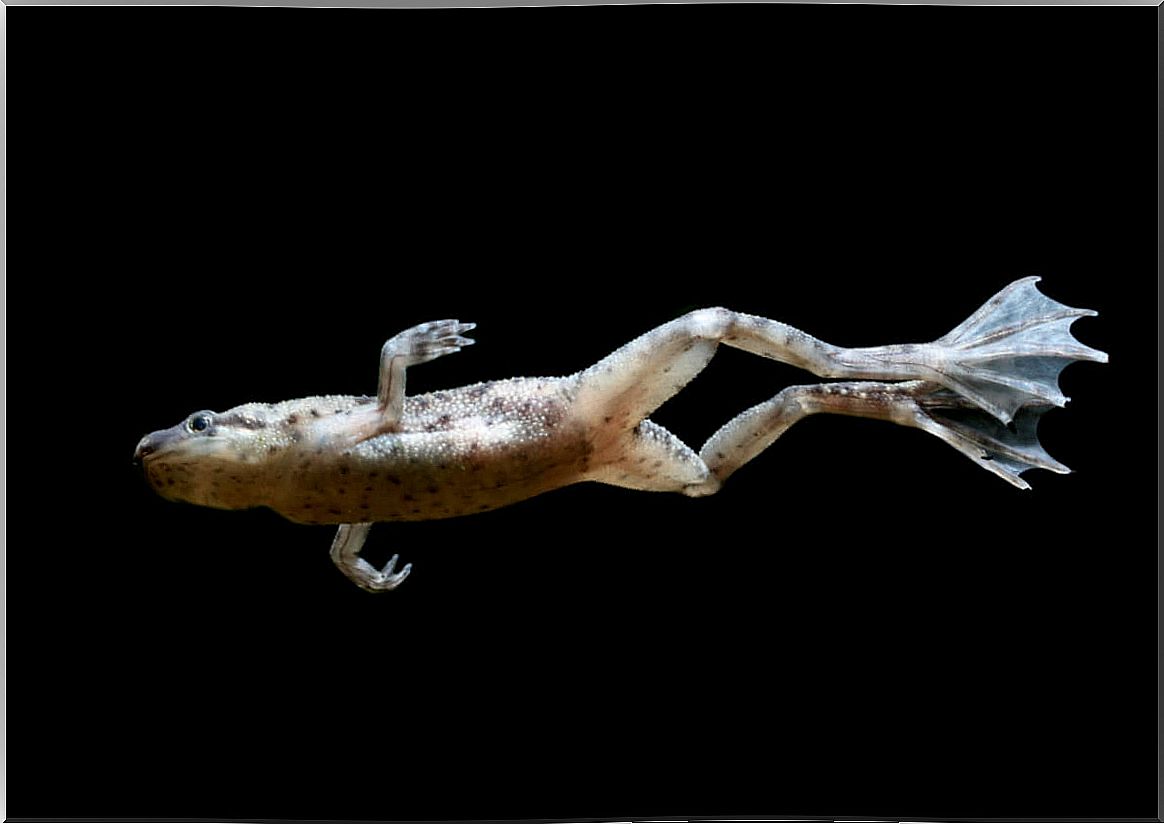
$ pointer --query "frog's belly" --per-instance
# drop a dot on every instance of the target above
(425, 476)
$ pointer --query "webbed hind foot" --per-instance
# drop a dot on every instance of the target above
(1005, 356)
(1007, 451)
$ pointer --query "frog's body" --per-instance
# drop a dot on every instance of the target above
(452, 453)
(355, 460)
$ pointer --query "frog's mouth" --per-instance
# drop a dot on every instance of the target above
(160, 456)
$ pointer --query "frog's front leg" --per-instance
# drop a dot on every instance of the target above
(411, 347)
(345, 551)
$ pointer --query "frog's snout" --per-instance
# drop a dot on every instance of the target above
(146, 446)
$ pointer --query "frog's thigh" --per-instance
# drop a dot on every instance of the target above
(651, 458)
(629, 384)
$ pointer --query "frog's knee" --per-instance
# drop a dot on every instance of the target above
(710, 324)
(708, 486)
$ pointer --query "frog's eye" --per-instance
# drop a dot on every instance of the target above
(199, 422)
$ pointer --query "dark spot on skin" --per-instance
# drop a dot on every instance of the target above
(443, 420)
(218, 470)
(304, 464)
(315, 413)
(307, 506)
(720, 455)
(368, 489)
(343, 470)
(442, 466)
(392, 479)
(169, 481)
(407, 497)
(657, 464)
(415, 510)
(432, 490)
(364, 506)
(343, 490)
(483, 507)
(641, 460)
(235, 478)
(607, 419)
(292, 419)
(333, 512)
(271, 450)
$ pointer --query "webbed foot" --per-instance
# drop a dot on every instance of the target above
(1008, 354)
(1007, 451)
(1005, 356)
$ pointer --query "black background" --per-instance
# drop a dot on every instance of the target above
(217, 206)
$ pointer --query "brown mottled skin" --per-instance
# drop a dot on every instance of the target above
(454, 452)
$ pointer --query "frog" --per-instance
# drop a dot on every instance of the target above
(357, 460)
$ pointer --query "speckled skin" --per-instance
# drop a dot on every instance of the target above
(455, 452)
(355, 460)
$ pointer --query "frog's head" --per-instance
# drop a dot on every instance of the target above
(210, 458)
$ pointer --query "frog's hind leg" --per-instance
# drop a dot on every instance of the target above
(652, 459)
(623, 388)
(1005, 356)
(1005, 451)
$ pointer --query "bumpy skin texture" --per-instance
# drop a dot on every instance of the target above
(354, 460)
(455, 452)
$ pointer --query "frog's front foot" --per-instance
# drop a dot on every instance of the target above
(419, 344)
(428, 341)
(345, 551)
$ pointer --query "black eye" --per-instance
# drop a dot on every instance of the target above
(199, 422)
